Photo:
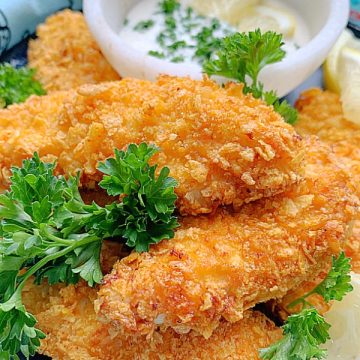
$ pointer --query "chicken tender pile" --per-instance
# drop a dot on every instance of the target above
(65, 55)
(224, 148)
(218, 266)
(321, 114)
(262, 209)
(292, 204)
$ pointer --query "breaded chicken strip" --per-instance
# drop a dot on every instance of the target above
(67, 316)
(218, 266)
(28, 127)
(223, 147)
(320, 113)
(65, 55)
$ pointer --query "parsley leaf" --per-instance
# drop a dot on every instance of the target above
(144, 25)
(169, 6)
(206, 42)
(288, 112)
(306, 331)
(16, 85)
(303, 334)
(148, 201)
(157, 54)
(336, 284)
(49, 232)
(338, 281)
(17, 332)
(242, 56)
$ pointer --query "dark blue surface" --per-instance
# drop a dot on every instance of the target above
(17, 55)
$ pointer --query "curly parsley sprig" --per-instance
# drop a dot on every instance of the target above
(149, 201)
(336, 284)
(49, 232)
(16, 85)
(305, 332)
(242, 56)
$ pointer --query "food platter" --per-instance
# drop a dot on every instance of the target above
(180, 205)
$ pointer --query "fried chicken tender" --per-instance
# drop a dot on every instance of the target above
(67, 317)
(321, 114)
(218, 266)
(27, 127)
(224, 148)
(65, 55)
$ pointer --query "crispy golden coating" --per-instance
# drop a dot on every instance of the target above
(67, 316)
(65, 54)
(223, 147)
(28, 127)
(218, 266)
(320, 113)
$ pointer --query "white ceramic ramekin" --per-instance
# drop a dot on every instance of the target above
(325, 19)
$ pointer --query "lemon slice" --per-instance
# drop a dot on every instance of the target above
(267, 17)
(349, 75)
(344, 318)
(331, 66)
(226, 10)
(342, 74)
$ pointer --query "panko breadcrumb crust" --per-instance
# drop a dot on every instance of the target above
(223, 147)
(65, 55)
(73, 332)
(26, 128)
(321, 114)
(218, 266)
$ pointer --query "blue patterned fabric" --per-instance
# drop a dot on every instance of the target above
(19, 18)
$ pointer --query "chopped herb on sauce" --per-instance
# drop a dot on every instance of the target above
(144, 25)
(184, 34)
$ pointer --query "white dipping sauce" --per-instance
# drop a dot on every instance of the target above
(147, 40)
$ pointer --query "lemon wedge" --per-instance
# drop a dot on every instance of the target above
(350, 83)
(226, 10)
(331, 66)
(267, 17)
(342, 74)
(344, 318)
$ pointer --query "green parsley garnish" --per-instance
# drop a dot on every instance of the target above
(306, 331)
(169, 6)
(178, 21)
(206, 42)
(157, 54)
(177, 59)
(177, 45)
(303, 334)
(49, 232)
(144, 25)
(242, 56)
(16, 85)
(336, 284)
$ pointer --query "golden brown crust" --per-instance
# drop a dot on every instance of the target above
(67, 316)
(29, 127)
(223, 149)
(321, 114)
(218, 266)
(65, 55)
